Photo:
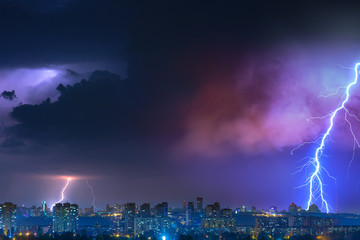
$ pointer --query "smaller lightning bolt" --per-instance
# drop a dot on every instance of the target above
(331, 94)
(63, 191)
(92, 192)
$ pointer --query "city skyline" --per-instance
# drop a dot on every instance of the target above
(178, 205)
(194, 220)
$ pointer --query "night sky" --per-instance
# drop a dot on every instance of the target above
(169, 100)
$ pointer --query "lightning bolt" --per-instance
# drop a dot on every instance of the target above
(92, 192)
(331, 94)
(314, 181)
(63, 191)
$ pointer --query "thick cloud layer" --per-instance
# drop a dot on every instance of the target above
(10, 95)
(87, 108)
(264, 104)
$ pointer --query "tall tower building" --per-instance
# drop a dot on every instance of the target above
(57, 220)
(161, 209)
(74, 217)
(8, 218)
(189, 213)
(130, 212)
(145, 210)
(66, 217)
(199, 204)
(216, 209)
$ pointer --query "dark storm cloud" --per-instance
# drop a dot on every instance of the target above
(96, 108)
(9, 95)
(96, 117)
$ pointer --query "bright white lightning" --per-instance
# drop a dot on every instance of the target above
(63, 192)
(314, 181)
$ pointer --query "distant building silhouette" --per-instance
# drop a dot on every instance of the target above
(145, 210)
(161, 210)
(89, 211)
(292, 208)
(130, 212)
(189, 213)
(199, 204)
(213, 210)
(314, 208)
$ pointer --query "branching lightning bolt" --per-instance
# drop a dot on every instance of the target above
(331, 94)
(92, 192)
(314, 181)
(63, 191)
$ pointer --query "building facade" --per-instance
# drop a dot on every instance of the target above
(65, 217)
(8, 218)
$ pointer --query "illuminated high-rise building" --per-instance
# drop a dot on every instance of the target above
(130, 209)
(8, 218)
(130, 212)
(65, 217)
(292, 208)
(161, 209)
(189, 213)
(213, 210)
(145, 210)
(57, 218)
